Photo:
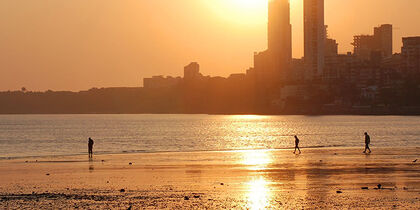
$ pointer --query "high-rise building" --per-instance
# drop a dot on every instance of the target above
(314, 33)
(410, 52)
(364, 45)
(380, 43)
(272, 64)
(383, 38)
(280, 33)
(192, 71)
(331, 45)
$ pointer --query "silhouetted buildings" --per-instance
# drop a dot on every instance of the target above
(383, 37)
(191, 74)
(161, 82)
(271, 66)
(378, 44)
(314, 35)
(279, 34)
(363, 46)
(371, 80)
(192, 71)
(331, 47)
(410, 53)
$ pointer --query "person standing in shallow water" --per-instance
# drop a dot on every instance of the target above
(367, 142)
(297, 145)
(90, 147)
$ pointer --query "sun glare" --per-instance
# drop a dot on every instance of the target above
(247, 4)
(246, 12)
(259, 194)
(248, 117)
(256, 159)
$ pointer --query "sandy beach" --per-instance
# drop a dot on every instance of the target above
(254, 179)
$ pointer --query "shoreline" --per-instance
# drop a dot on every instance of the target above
(226, 179)
(228, 114)
(191, 151)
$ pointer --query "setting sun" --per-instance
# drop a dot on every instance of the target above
(247, 4)
(243, 12)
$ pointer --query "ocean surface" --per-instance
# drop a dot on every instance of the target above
(52, 135)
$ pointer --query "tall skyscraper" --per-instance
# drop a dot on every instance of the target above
(280, 33)
(273, 64)
(314, 33)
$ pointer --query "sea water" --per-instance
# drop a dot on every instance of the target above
(52, 135)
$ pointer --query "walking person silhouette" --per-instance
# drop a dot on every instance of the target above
(90, 147)
(297, 145)
(367, 142)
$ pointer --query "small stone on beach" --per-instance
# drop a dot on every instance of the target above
(47, 174)
(379, 186)
(196, 196)
(338, 191)
(365, 188)
(122, 190)
(415, 161)
(186, 198)
(222, 183)
(130, 163)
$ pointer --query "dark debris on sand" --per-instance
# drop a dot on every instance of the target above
(112, 199)
(38, 196)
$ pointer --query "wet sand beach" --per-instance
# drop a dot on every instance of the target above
(330, 178)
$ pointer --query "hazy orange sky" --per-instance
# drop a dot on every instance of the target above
(79, 44)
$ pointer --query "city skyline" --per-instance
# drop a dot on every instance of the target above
(209, 104)
(34, 61)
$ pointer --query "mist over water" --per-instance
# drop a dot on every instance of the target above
(49, 135)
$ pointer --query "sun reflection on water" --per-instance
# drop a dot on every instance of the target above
(249, 117)
(256, 159)
(259, 193)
